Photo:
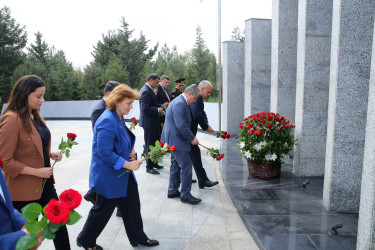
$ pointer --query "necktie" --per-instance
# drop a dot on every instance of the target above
(166, 94)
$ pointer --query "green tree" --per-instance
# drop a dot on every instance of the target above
(13, 39)
(237, 35)
(114, 72)
(40, 49)
(92, 81)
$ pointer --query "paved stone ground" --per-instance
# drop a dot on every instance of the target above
(213, 224)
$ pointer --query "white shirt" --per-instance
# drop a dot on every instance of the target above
(2, 193)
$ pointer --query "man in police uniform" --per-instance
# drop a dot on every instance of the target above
(179, 84)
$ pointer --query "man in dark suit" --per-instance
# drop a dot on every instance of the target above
(179, 85)
(200, 117)
(12, 222)
(149, 118)
(163, 96)
(177, 132)
(99, 108)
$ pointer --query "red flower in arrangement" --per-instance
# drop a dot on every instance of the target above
(1, 162)
(72, 136)
(258, 132)
(241, 125)
(267, 130)
(251, 131)
(57, 212)
(71, 197)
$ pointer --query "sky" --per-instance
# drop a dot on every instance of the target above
(75, 26)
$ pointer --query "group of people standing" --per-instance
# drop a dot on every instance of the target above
(25, 148)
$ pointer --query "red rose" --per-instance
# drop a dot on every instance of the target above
(258, 132)
(57, 212)
(72, 136)
(222, 156)
(173, 148)
(267, 130)
(282, 126)
(1, 162)
(223, 136)
(287, 126)
(168, 148)
(133, 119)
(241, 126)
(251, 125)
(260, 125)
(278, 129)
(161, 144)
(228, 136)
(135, 122)
(218, 158)
(263, 121)
(251, 131)
(71, 198)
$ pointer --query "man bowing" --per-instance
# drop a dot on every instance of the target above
(177, 132)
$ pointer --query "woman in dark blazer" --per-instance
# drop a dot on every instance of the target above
(112, 155)
(25, 147)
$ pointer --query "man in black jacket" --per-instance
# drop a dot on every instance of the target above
(163, 96)
(179, 85)
(200, 117)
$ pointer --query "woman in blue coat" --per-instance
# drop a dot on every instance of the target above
(112, 155)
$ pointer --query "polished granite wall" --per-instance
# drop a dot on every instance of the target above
(280, 214)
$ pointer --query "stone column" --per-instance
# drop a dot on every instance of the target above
(352, 29)
(233, 86)
(257, 66)
(313, 61)
(366, 223)
(284, 57)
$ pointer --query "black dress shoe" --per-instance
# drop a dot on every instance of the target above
(150, 243)
(178, 194)
(90, 197)
(190, 200)
(158, 167)
(118, 213)
(208, 184)
(96, 247)
(193, 181)
(152, 171)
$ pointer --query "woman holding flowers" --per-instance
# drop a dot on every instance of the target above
(26, 149)
(113, 155)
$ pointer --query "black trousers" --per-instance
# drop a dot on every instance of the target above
(151, 135)
(100, 214)
(61, 240)
(195, 155)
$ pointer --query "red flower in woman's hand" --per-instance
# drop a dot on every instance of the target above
(71, 197)
(57, 212)
(72, 136)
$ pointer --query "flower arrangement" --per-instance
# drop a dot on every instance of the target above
(266, 138)
(156, 153)
(133, 123)
(64, 148)
(165, 106)
(54, 215)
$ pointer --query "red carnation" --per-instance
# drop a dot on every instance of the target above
(263, 121)
(72, 136)
(133, 119)
(57, 212)
(168, 148)
(278, 129)
(241, 126)
(228, 136)
(258, 132)
(71, 198)
(223, 136)
(260, 125)
(135, 122)
(282, 126)
(269, 125)
(218, 158)
(1, 162)
(267, 130)
(222, 156)
(161, 144)
(173, 148)
(251, 131)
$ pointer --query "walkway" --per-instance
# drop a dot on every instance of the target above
(213, 224)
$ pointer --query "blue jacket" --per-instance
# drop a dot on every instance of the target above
(111, 146)
(148, 103)
(11, 221)
(199, 116)
(176, 130)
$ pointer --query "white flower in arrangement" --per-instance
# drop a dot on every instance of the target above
(263, 143)
(273, 157)
(284, 158)
(286, 145)
(258, 146)
(248, 155)
(268, 156)
(242, 144)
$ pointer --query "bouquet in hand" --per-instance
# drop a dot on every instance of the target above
(214, 152)
(156, 153)
(133, 123)
(222, 134)
(64, 148)
(54, 215)
(165, 106)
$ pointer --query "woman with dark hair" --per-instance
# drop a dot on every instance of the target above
(25, 147)
(112, 157)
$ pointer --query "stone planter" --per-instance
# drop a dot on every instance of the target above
(264, 171)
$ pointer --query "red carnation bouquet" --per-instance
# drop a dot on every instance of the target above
(156, 153)
(133, 123)
(165, 106)
(64, 148)
(54, 215)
